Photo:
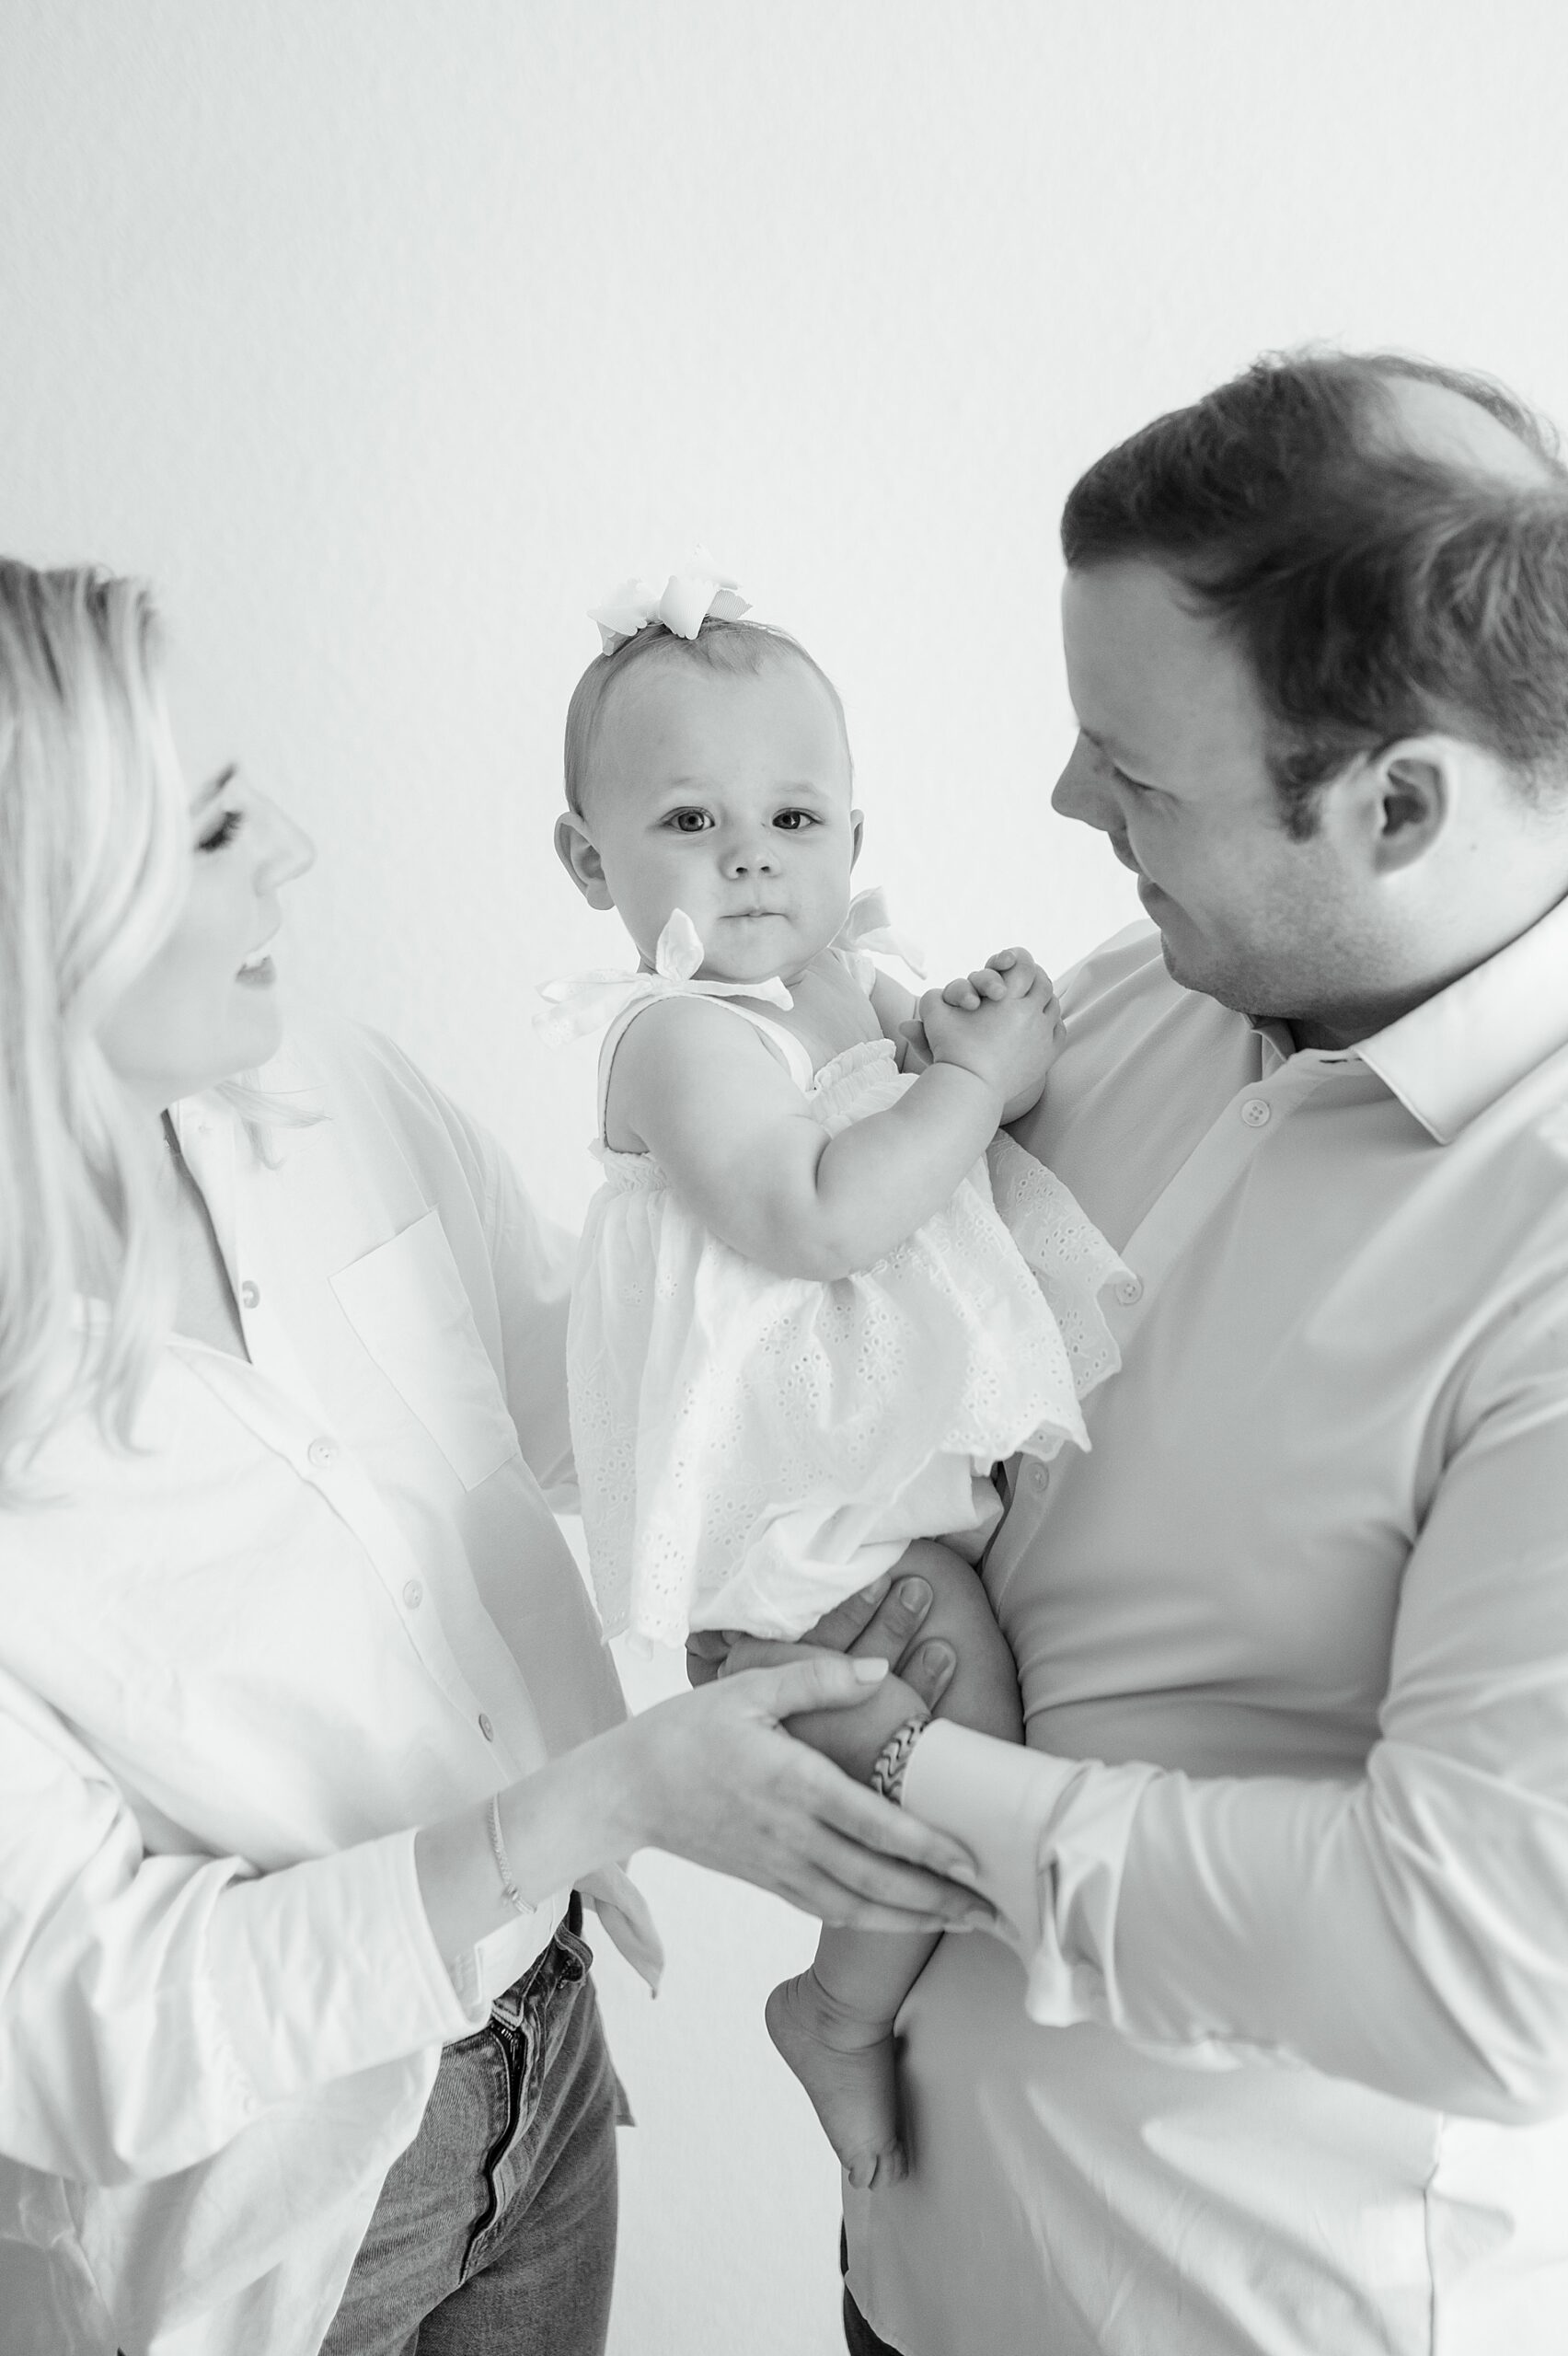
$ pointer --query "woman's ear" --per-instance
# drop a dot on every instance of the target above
(857, 826)
(575, 850)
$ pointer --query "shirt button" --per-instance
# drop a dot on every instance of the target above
(1129, 1290)
(249, 1294)
(413, 1595)
(1039, 1478)
(486, 1728)
(323, 1452)
(1257, 1112)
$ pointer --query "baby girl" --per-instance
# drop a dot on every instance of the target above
(802, 1330)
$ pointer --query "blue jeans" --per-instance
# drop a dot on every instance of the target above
(495, 2231)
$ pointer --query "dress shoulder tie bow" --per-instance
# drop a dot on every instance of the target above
(578, 1003)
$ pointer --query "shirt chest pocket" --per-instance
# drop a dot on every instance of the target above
(406, 1302)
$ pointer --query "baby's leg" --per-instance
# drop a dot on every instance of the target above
(834, 2025)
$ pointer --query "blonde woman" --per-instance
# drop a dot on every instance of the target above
(307, 1734)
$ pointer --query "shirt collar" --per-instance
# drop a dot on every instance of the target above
(1458, 1051)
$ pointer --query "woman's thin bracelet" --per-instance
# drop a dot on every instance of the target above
(888, 1768)
(508, 1889)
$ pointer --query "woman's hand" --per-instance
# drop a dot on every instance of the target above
(716, 1779)
(851, 1739)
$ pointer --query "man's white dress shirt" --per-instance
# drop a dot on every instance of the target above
(1274, 2056)
(323, 1601)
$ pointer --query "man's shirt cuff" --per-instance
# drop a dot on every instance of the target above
(1049, 1839)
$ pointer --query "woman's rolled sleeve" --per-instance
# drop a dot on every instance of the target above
(151, 2008)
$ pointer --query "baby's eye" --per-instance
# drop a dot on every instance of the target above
(793, 820)
(688, 822)
(228, 826)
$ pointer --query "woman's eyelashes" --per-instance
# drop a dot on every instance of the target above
(227, 827)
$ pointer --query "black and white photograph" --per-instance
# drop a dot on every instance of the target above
(783, 1178)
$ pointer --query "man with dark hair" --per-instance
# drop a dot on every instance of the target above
(1281, 2060)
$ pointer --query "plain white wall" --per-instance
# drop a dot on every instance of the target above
(385, 334)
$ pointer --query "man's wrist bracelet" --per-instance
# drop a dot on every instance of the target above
(887, 1768)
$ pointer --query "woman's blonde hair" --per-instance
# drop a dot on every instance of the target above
(94, 868)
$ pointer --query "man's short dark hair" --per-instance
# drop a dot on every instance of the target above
(1378, 590)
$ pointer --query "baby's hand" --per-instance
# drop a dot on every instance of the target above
(1007, 975)
(1002, 1023)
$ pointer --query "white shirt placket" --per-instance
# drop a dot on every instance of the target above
(274, 1397)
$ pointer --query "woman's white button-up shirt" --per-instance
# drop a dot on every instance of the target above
(323, 1600)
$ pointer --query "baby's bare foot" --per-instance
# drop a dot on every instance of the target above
(846, 2064)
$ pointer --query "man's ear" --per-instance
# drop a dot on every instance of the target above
(575, 850)
(857, 826)
(1404, 798)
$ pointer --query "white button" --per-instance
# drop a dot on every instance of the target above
(1039, 1478)
(1129, 1290)
(1257, 1112)
(413, 1595)
(486, 1728)
(249, 1294)
(323, 1452)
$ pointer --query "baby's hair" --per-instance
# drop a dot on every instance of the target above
(735, 649)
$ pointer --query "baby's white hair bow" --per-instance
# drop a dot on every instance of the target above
(700, 588)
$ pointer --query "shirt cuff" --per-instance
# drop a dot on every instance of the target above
(1049, 1838)
(482, 1973)
(330, 1968)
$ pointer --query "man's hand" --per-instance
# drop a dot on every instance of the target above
(1003, 1022)
(882, 1622)
(706, 1650)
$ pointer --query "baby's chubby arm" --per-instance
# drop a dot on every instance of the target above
(897, 1011)
(729, 1128)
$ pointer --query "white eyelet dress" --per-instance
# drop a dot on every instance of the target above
(754, 1447)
